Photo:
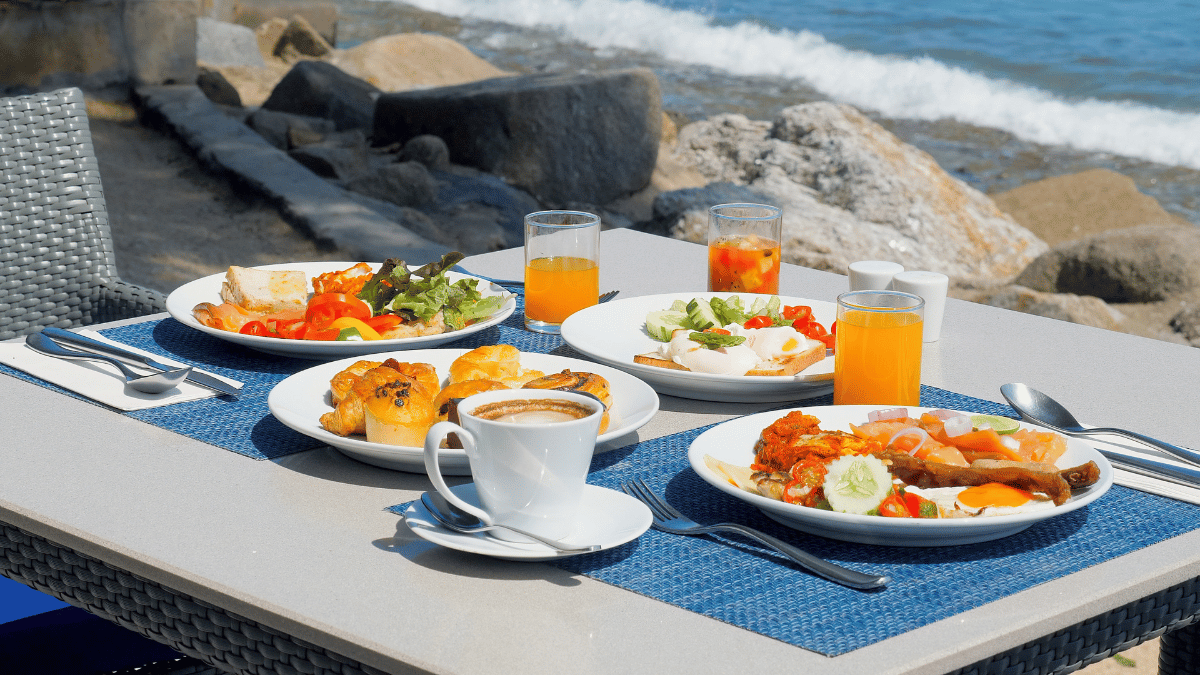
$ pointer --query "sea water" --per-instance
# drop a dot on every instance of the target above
(1000, 93)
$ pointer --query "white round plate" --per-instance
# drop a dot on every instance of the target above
(300, 400)
(182, 300)
(615, 332)
(608, 518)
(733, 442)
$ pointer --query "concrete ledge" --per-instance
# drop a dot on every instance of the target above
(320, 209)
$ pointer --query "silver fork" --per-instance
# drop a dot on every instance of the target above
(667, 519)
(605, 297)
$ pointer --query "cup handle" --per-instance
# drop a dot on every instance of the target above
(433, 442)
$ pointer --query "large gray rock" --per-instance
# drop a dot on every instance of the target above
(403, 184)
(318, 89)
(343, 155)
(589, 138)
(1138, 264)
(278, 128)
(1187, 324)
(1081, 309)
(226, 44)
(850, 190)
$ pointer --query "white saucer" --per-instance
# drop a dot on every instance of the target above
(608, 518)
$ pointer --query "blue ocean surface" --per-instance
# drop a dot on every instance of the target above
(1000, 93)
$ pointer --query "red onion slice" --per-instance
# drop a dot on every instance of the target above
(910, 431)
(957, 426)
(889, 414)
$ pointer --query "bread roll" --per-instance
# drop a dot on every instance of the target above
(583, 383)
(399, 412)
(501, 363)
(444, 401)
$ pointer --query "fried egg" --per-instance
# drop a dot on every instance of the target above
(990, 499)
(778, 342)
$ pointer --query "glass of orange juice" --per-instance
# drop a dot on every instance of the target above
(877, 353)
(562, 267)
(743, 248)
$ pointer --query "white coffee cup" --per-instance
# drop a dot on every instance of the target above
(873, 275)
(529, 473)
(932, 287)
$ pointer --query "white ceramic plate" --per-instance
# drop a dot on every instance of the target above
(615, 332)
(733, 442)
(609, 519)
(300, 400)
(182, 300)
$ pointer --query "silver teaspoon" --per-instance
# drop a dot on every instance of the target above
(1035, 407)
(154, 383)
(455, 519)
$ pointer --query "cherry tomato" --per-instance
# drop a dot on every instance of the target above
(759, 322)
(256, 328)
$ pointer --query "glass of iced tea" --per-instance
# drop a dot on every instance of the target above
(562, 267)
(877, 354)
(743, 248)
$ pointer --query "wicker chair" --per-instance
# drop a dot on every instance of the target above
(57, 266)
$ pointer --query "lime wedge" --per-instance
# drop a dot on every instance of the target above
(1002, 425)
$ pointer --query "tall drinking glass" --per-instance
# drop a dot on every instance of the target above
(877, 359)
(743, 248)
(562, 267)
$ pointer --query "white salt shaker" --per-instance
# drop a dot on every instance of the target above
(873, 275)
(931, 286)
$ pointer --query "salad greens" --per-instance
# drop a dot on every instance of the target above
(700, 314)
(421, 293)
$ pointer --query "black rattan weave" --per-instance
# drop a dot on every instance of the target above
(57, 266)
(226, 641)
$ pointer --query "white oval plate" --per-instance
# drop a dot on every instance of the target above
(615, 332)
(608, 518)
(733, 442)
(182, 300)
(300, 400)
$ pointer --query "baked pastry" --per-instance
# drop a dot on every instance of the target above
(501, 363)
(399, 412)
(348, 416)
(423, 373)
(343, 382)
(444, 401)
(582, 383)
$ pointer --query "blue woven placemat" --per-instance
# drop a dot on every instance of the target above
(742, 584)
(244, 424)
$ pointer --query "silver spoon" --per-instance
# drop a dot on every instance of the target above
(155, 383)
(458, 520)
(1038, 408)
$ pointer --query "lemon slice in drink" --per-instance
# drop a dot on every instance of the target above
(1002, 425)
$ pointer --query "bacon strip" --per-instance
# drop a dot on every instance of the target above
(922, 474)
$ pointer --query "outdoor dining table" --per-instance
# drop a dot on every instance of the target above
(297, 560)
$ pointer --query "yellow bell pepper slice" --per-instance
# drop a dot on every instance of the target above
(364, 330)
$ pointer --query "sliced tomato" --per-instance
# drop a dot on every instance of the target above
(759, 322)
(325, 308)
(384, 322)
(256, 328)
(291, 330)
(893, 506)
(797, 313)
(327, 334)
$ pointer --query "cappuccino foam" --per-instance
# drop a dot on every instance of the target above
(532, 411)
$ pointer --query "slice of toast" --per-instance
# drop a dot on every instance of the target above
(265, 291)
(775, 367)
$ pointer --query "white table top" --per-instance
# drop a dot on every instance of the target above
(303, 544)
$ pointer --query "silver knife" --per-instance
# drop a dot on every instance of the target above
(1153, 468)
(202, 379)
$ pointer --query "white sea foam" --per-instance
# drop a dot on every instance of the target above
(921, 88)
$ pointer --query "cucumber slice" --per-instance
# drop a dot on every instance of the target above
(760, 304)
(857, 484)
(679, 306)
(727, 312)
(661, 324)
(701, 314)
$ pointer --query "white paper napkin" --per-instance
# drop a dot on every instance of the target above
(1137, 481)
(99, 381)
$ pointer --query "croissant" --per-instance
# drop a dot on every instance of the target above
(349, 417)
(500, 363)
(340, 384)
(583, 383)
